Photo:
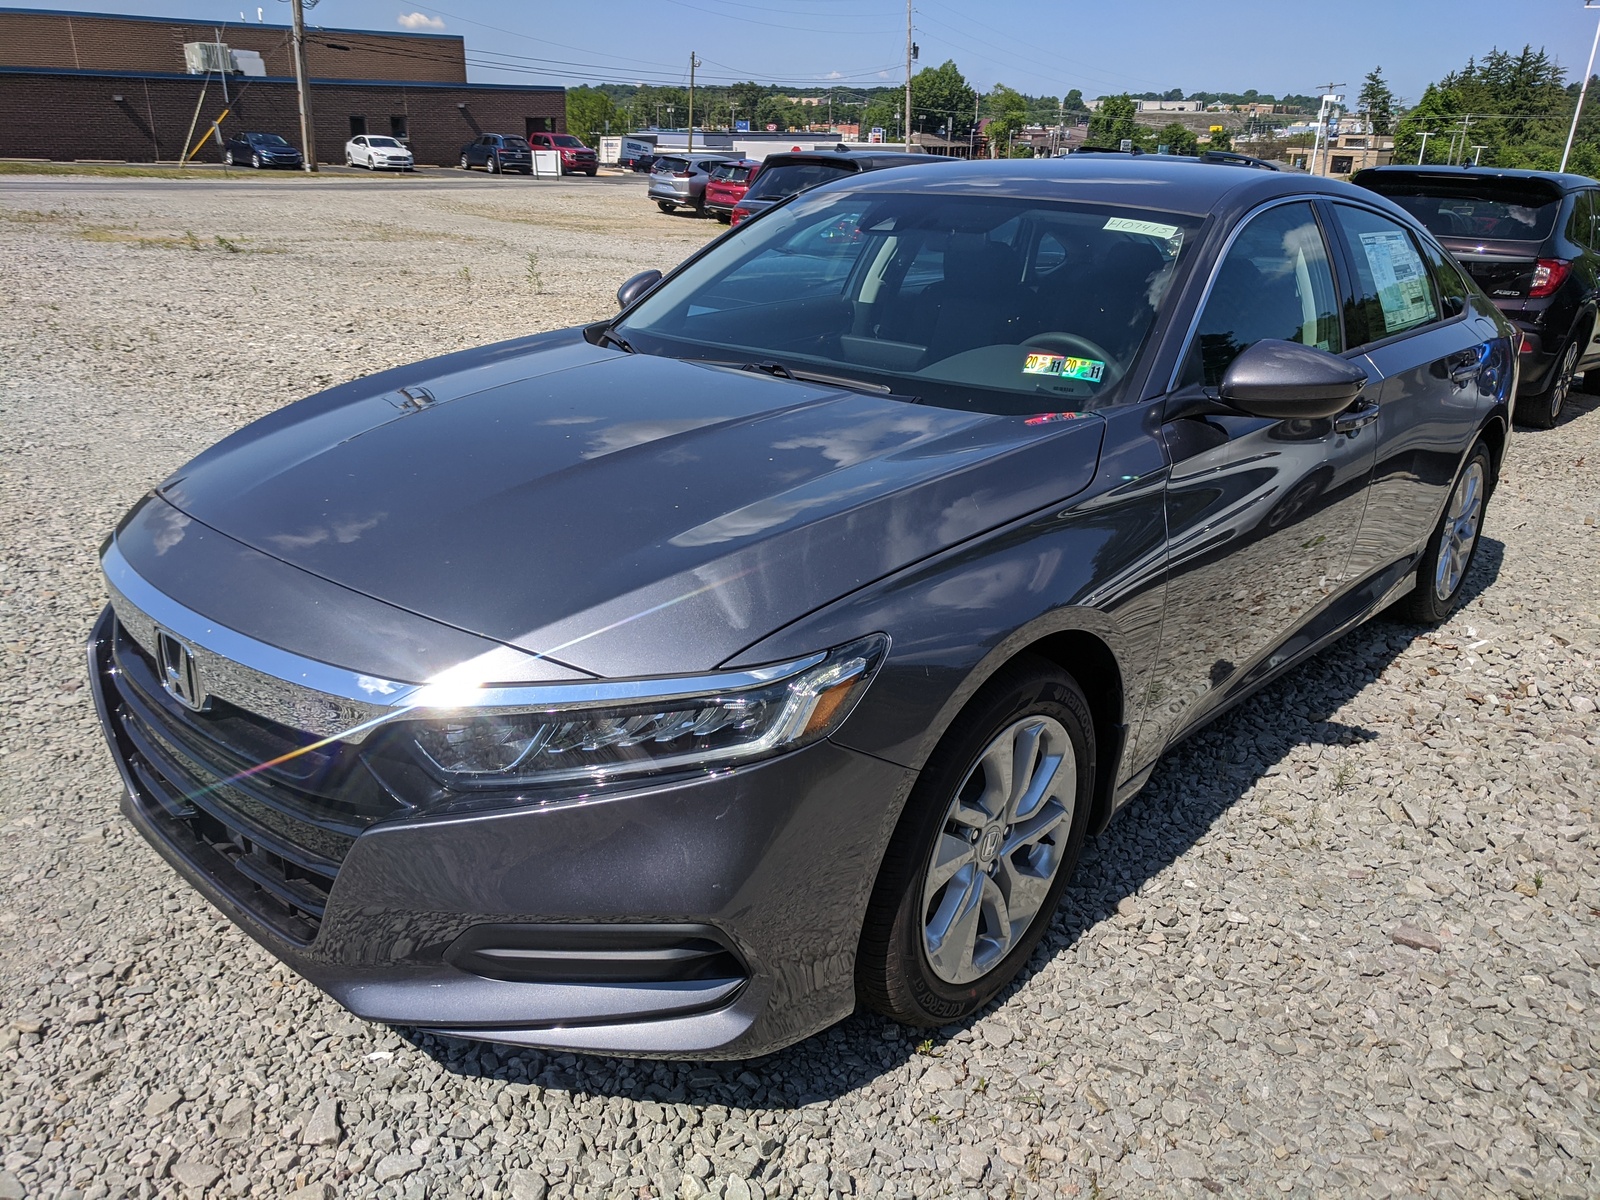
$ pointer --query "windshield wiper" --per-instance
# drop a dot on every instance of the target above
(783, 372)
(605, 334)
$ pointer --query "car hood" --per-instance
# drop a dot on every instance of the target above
(622, 514)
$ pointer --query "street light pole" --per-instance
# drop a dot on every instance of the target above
(1584, 90)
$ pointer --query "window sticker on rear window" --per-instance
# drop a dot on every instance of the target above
(1153, 229)
(1090, 370)
(1400, 279)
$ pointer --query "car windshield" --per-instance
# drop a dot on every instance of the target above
(1477, 208)
(386, 142)
(267, 139)
(570, 142)
(995, 304)
(514, 143)
(786, 179)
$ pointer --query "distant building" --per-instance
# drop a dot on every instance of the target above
(1346, 153)
(101, 86)
(1154, 106)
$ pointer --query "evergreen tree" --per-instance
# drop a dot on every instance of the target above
(1377, 101)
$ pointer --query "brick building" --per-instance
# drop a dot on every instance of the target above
(107, 87)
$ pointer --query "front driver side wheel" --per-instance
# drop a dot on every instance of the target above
(465, 165)
(985, 847)
(1453, 544)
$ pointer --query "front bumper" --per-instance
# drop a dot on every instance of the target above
(769, 865)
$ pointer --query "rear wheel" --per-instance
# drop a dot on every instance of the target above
(1543, 410)
(983, 851)
(465, 165)
(494, 166)
(1453, 544)
(666, 206)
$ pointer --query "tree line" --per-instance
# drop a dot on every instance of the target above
(942, 102)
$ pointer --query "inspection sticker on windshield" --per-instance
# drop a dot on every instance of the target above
(1153, 229)
(1090, 370)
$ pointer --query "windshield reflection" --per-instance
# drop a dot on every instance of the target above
(991, 303)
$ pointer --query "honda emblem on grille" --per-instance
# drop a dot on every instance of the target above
(179, 674)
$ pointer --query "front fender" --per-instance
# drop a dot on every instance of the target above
(1096, 565)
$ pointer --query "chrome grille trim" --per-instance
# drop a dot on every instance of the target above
(339, 704)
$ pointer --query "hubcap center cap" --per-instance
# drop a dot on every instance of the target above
(989, 843)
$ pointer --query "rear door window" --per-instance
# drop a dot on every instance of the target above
(1392, 291)
(1580, 226)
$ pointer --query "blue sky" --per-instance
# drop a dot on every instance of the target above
(1036, 46)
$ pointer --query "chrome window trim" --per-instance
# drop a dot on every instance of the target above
(342, 705)
(1222, 257)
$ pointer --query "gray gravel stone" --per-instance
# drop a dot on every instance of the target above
(1222, 982)
(196, 1175)
(322, 1127)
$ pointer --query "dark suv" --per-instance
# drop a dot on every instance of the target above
(498, 152)
(788, 174)
(1529, 239)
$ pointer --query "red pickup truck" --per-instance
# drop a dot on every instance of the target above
(575, 156)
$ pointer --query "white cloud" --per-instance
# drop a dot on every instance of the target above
(835, 75)
(416, 20)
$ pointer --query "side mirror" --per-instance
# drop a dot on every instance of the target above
(636, 287)
(1286, 381)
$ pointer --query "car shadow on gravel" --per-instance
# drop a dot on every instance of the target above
(1194, 785)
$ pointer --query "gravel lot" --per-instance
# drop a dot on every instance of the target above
(1344, 944)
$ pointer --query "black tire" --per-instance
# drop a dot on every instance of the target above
(493, 165)
(1543, 409)
(1437, 592)
(593, 173)
(228, 158)
(894, 975)
(255, 161)
(465, 165)
(666, 206)
(527, 170)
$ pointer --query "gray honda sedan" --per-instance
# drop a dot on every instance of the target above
(673, 685)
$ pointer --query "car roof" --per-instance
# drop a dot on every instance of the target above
(863, 160)
(1169, 184)
(1567, 182)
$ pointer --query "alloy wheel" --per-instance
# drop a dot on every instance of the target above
(1460, 531)
(1561, 386)
(1000, 848)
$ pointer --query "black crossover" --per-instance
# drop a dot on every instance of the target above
(672, 685)
(1531, 240)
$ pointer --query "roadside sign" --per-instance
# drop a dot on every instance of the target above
(741, 126)
(1126, 146)
(772, 127)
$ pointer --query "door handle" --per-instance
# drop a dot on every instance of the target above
(1353, 420)
(1465, 366)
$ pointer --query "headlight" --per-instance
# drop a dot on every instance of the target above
(501, 748)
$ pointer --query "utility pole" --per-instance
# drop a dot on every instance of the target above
(910, 52)
(1328, 97)
(307, 137)
(1426, 134)
(693, 63)
(1583, 91)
